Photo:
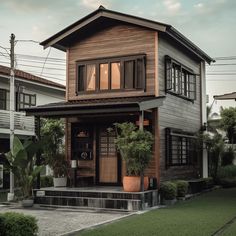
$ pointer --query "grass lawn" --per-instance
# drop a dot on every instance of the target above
(203, 215)
(231, 231)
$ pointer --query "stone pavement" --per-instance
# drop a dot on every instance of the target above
(60, 221)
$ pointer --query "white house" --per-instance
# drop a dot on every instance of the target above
(31, 91)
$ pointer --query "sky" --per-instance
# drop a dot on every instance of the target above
(210, 24)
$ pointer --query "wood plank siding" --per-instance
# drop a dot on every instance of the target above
(113, 41)
(177, 112)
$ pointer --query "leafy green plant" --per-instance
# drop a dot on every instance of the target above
(227, 156)
(227, 171)
(22, 162)
(228, 182)
(182, 188)
(168, 190)
(46, 181)
(228, 122)
(12, 224)
(135, 147)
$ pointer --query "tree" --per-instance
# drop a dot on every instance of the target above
(228, 122)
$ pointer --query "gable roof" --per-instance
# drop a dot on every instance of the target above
(60, 39)
(4, 70)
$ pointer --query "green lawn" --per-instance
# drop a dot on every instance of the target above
(203, 215)
(230, 231)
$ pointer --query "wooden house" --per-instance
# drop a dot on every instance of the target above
(126, 68)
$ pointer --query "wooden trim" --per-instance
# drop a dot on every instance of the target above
(156, 65)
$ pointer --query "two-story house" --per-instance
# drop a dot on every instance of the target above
(125, 68)
(30, 91)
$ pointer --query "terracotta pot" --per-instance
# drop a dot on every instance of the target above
(132, 183)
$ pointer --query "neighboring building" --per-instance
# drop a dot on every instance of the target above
(125, 68)
(30, 91)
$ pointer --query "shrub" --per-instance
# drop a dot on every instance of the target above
(227, 171)
(227, 157)
(168, 190)
(46, 181)
(228, 182)
(182, 188)
(208, 182)
(17, 224)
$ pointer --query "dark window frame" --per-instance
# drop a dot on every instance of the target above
(23, 103)
(185, 153)
(5, 100)
(187, 87)
(138, 85)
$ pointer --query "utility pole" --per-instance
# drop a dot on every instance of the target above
(10, 196)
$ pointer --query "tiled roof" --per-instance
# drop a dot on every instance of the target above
(27, 76)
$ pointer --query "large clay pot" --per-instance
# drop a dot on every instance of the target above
(132, 183)
(60, 182)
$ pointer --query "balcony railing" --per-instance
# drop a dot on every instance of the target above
(23, 125)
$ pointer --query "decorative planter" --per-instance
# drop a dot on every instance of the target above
(132, 183)
(60, 182)
(27, 202)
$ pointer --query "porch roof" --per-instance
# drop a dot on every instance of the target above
(96, 106)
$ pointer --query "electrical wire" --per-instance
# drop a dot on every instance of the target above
(46, 60)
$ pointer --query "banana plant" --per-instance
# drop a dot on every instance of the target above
(22, 162)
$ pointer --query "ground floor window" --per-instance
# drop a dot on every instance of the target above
(180, 148)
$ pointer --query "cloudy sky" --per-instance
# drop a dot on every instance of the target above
(211, 24)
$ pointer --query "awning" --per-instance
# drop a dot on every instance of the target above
(96, 106)
(227, 96)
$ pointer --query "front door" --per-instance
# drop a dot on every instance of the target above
(108, 160)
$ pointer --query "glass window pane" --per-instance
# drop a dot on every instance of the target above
(90, 77)
(2, 94)
(2, 105)
(115, 75)
(27, 99)
(129, 74)
(103, 76)
(33, 100)
(81, 77)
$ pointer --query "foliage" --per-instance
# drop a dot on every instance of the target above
(46, 181)
(135, 147)
(227, 157)
(168, 190)
(17, 224)
(1, 181)
(228, 122)
(52, 132)
(227, 171)
(21, 160)
(182, 188)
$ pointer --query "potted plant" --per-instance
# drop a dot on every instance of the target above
(53, 150)
(21, 160)
(135, 147)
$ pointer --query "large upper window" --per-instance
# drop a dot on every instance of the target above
(111, 74)
(180, 80)
(26, 100)
(180, 148)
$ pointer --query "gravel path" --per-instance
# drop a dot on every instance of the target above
(59, 221)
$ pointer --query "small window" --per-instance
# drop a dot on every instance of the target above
(81, 77)
(26, 100)
(4, 99)
(179, 80)
(180, 148)
(129, 74)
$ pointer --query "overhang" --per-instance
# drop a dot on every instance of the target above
(96, 106)
(227, 96)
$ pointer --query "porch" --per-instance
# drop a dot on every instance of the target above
(95, 197)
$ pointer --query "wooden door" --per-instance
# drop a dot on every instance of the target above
(108, 161)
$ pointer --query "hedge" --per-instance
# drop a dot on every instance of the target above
(17, 224)
(168, 190)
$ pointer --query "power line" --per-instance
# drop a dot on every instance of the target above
(220, 73)
(46, 60)
(223, 64)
